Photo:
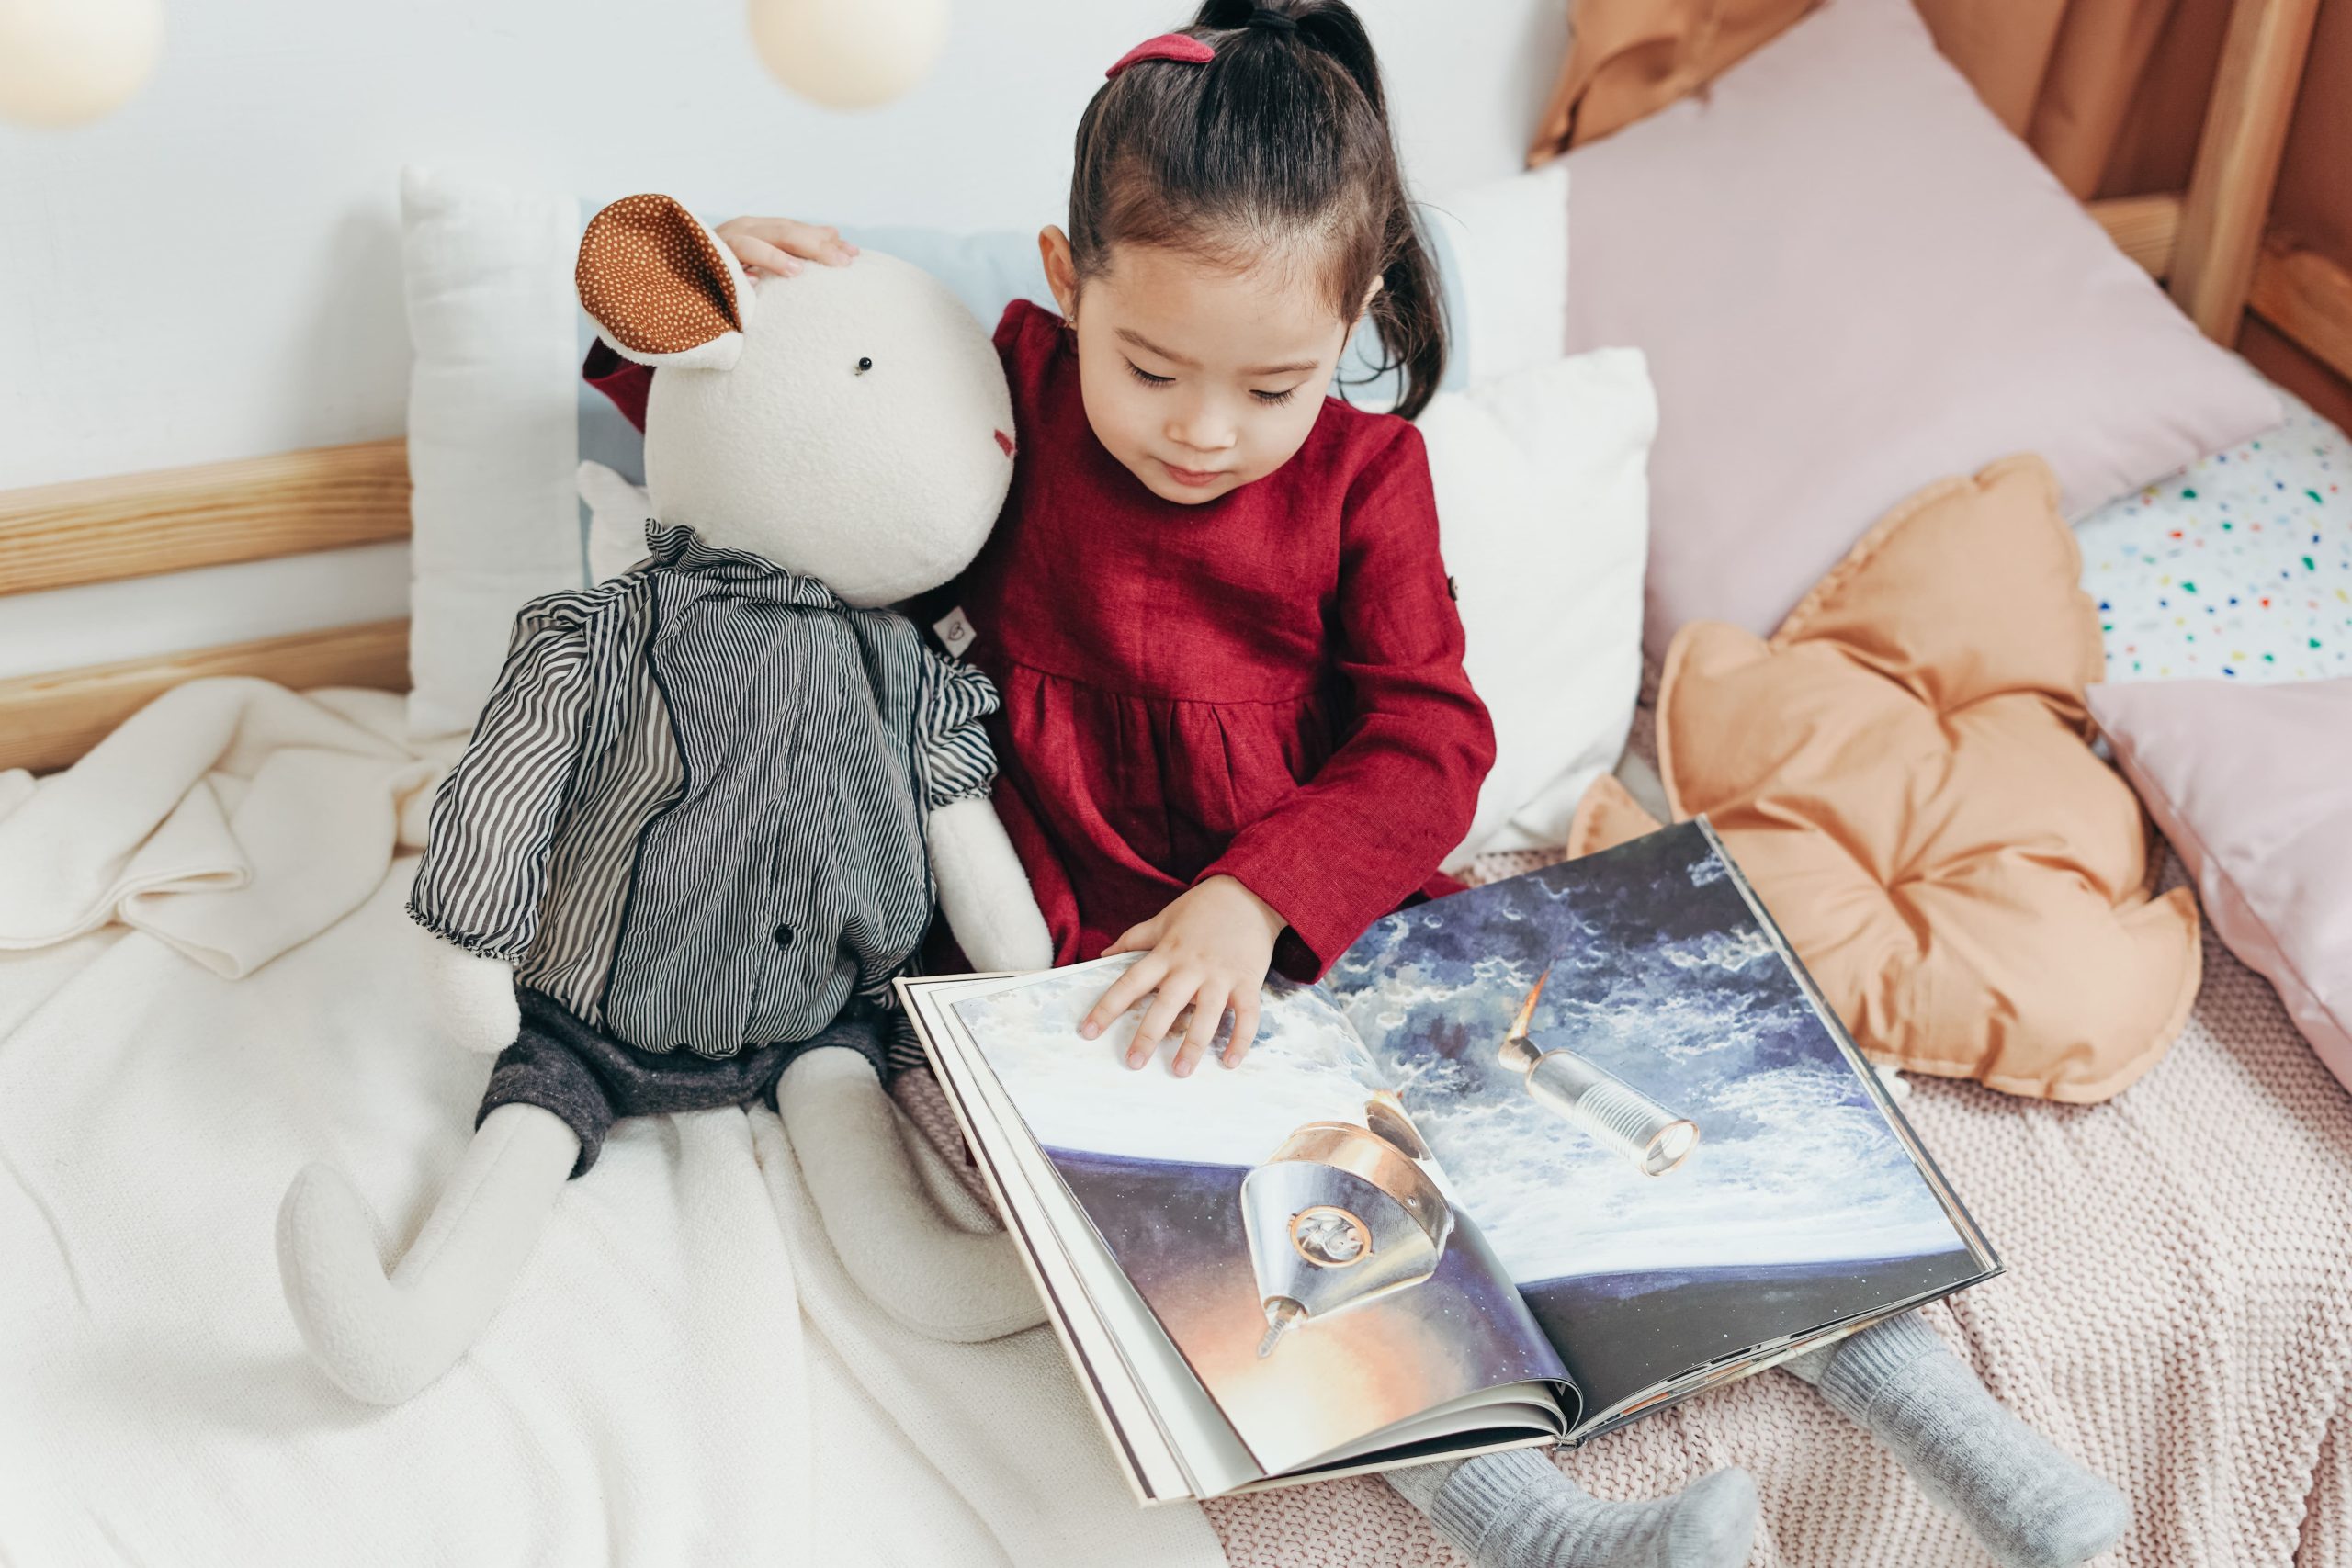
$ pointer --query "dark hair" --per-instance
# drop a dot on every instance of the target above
(1280, 141)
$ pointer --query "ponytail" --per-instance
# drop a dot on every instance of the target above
(1409, 312)
(1283, 135)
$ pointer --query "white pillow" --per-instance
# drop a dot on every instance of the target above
(1510, 238)
(491, 429)
(1543, 500)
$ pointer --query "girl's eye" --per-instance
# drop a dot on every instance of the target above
(1275, 399)
(1147, 378)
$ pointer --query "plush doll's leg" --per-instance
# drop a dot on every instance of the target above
(543, 1119)
(1516, 1509)
(2030, 1504)
(916, 1264)
(941, 1180)
(382, 1340)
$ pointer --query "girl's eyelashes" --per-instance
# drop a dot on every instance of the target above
(1271, 400)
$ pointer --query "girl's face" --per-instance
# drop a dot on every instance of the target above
(1198, 378)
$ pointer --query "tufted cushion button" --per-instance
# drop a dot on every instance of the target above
(783, 936)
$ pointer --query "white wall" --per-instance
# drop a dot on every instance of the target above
(214, 271)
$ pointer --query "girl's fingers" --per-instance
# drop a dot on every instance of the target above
(1134, 938)
(1245, 1028)
(753, 252)
(1174, 991)
(818, 241)
(1208, 1011)
(1125, 992)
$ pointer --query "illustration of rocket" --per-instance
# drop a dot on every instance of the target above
(1340, 1215)
(1580, 1092)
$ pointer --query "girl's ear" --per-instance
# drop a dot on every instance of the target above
(1061, 269)
(1369, 296)
(661, 288)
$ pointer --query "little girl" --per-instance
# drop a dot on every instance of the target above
(1236, 729)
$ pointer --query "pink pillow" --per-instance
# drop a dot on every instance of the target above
(1850, 278)
(2249, 783)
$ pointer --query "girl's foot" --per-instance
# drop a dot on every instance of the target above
(2030, 1504)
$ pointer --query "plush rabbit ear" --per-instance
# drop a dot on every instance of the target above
(660, 287)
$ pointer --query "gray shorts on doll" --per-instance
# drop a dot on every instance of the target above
(590, 1080)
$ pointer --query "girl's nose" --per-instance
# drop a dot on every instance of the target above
(1200, 430)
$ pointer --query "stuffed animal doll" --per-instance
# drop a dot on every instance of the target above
(706, 813)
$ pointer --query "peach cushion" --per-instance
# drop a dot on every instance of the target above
(1904, 774)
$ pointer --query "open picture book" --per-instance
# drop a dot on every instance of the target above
(1531, 1161)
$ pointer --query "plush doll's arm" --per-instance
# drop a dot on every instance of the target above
(494, 816)
(982, 889)
(469, 998)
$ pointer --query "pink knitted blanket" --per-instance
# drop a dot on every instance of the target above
(2177, 1314)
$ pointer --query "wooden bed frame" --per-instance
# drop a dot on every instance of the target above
(2207, 244)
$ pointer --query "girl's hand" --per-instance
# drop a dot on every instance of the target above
(1209, 948)
(780, 244)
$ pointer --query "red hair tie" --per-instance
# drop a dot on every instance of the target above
(1167, 46)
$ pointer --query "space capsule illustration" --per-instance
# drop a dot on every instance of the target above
(1581, 1091)
(1340, 1215)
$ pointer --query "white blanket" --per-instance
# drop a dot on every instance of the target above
(684, 1373)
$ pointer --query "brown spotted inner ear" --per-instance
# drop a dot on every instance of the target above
(652, 279)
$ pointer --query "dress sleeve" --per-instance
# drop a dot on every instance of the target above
(952, 758)
(495, 814)
(1397, 794)
(625, 381)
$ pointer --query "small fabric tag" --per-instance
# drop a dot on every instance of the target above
(1453, 589)
(955, 632)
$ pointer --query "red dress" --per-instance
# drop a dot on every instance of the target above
(1267, 686)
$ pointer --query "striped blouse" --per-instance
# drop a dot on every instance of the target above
(693, 810)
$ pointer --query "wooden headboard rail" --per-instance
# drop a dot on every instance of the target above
(2208, 244)
(92, 531)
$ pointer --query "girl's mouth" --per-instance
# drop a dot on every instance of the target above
(1198, 479)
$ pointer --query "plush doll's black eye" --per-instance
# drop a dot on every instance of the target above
(865, 365)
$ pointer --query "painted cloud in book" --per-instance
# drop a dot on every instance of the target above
(1681, 998)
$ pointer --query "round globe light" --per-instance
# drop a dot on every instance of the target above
(68, 62)
(849, 56)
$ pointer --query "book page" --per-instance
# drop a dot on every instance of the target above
(1281, 1220)
(1673, 1155)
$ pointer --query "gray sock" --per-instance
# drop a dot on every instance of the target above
(2030, 1504)
(1516, 1509)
